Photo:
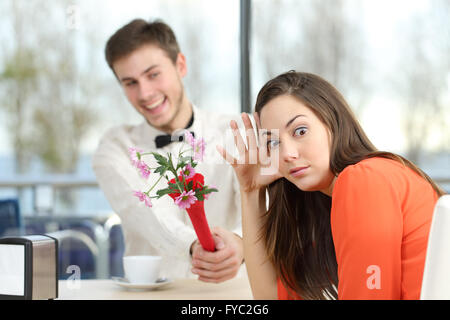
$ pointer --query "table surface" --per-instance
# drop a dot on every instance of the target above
(178, 289)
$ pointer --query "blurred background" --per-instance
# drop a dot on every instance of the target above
(390, 59)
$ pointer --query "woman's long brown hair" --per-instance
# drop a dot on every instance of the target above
(297, 228)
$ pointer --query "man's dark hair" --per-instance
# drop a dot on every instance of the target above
(137, 33)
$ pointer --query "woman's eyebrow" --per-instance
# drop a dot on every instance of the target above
(268, 133)
(292, 120)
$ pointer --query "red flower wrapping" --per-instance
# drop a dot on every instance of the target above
(197, 213)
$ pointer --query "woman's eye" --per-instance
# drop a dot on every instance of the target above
(129, 84)
(154, 75)
(300, 131)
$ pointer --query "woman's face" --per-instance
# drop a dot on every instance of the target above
(300, 141)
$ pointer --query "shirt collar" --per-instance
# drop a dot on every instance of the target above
(150, 132)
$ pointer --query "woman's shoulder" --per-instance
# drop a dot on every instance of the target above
(368, 187)
(371, 167)
(381, 173)
(375, 174)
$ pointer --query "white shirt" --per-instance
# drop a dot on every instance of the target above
(165, 229)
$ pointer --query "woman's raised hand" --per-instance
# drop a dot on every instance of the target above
(253, 168)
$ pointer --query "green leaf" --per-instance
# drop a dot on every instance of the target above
(164, 192)
(174, 187)
(206, 191)
(169, 161)
(180, 165)
(161, 170)
(160, 159)
(185, 159)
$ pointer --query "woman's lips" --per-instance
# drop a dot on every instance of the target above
(298, 171)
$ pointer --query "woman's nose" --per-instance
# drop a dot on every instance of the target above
(289, 151)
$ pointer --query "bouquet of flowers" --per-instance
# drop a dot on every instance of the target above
(187, 187)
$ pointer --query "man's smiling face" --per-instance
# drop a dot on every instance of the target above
(153, 85)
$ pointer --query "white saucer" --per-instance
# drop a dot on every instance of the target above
(123, 282)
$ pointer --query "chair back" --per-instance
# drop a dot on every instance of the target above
(436, 276)
(10, 218)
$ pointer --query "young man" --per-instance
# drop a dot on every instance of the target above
(146, 60)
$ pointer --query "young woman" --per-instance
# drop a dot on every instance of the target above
(344, 220)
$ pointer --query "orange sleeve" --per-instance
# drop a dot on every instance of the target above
(366, 223)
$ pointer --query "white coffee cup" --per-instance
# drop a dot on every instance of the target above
(142, 269)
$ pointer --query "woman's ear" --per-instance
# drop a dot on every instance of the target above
(181, 65)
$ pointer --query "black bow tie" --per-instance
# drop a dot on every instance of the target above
(166, 139)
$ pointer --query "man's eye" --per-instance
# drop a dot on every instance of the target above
(300, 131)
(129, 84)
(154, 75)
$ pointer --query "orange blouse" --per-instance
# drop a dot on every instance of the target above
(380, 220)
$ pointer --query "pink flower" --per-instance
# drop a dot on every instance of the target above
(198, 145)
(190, 139)
(184, 200)
(199, 149)
(135, 155)
(188, 172)
(144, 198)
(145, 170)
